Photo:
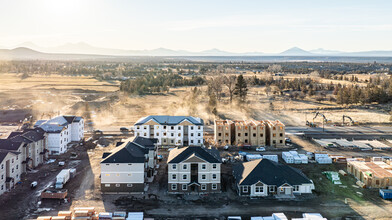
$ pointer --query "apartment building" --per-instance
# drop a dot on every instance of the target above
(240, 132)
(194, 170)
(171, 130)
(224, 132)
(264, 177)
(276, 134)
(61, 131)
(126, 168)
(34, 151)
(10, 170)
(7, 145)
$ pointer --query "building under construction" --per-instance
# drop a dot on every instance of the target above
(373, 174)
(249, 132)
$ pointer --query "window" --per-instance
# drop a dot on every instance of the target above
(191, 134)
(172, 134)
(274, 141)
(239, 134)
(179, 134)
(214, 166)
(174, 166)
(184, 177)
(17, 166)
(164, 127)
(203, 186)
(172, 127)
(157, 134)
(2, 166)
(172, 141)
(254, 134)
(184, 187)
(174, 186)
(214, 186)
(259, 189)
(164, 134)
(199, 134)
(12, 170)
(246, 141)
(203, 177)
(179, 128)
(2, 177)
(274, 135)
(184, 167)
(145, 134)
(273, 128)
(199, 142)
(214, 176)
(203, 166)
(191, 141)
(296, 188)
(198, 127)
(191, 127)
(246, 134)
(281, 141)
(271, 188)
(2, 187)
(261, 135)
(174, 176)
(245, 189)
(145, 127)
(281, 134)
(117, 185)
(107, 185)
(129, 185)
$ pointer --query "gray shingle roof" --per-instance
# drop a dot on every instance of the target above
(178, 155)
(6, 144)
(56, 124)
(170, 120)
(268, 172)
(126, 153)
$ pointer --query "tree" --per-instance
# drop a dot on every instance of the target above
(241, 89)
(274, 68)
(215, 86)
(230, 82)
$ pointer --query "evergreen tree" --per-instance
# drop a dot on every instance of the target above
(241, 89)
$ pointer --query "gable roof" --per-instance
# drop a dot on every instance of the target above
(177, 155)
(3, 154)
(126, 153)
(27, 135)
(149, 143)
(268, 172)
(6, 144)
(56, 124)
(170, 120)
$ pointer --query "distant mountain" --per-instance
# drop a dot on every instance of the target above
(295, 51)
(325, 52)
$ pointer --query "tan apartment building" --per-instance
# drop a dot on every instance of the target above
(375, 174)
(242, 132)
(275, 133)
(224, 132)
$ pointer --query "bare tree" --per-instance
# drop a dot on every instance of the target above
(215, 86)
(229, 82)
(275, 68)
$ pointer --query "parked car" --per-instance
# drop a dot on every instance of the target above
(260, 149)
(124, 129)
(226, 147)
(288, 140)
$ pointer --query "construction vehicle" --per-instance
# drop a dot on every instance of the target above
(310, 124)
(351, 121)
(325, 120)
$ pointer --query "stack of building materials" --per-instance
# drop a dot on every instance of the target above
(304, 158)
(378, 145)
(105, 216)
(325, 143)
(271, 157)
(333, 176)
(322, 158)
(119, 215)
(66, 214)
(279, 216)
(386, 193)
(362, 145)
(135, 216)
(288, 157)
(250, 157)
(59, 218)
(342, 142)
(297, 159)
(44, 218)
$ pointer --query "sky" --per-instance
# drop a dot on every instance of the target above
(235, 26)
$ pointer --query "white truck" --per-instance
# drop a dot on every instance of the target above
(62, 178)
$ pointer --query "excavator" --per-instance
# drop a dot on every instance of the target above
(326, 121)
(351, 121)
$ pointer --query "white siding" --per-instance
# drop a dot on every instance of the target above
(122, 173)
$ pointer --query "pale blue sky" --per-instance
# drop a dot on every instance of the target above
(237, 26)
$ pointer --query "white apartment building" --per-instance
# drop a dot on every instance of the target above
(124, 169)
(171, 130)
(62, 130)
(194, 170)
(10, 170)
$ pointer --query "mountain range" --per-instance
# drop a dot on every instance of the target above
(28, 50)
